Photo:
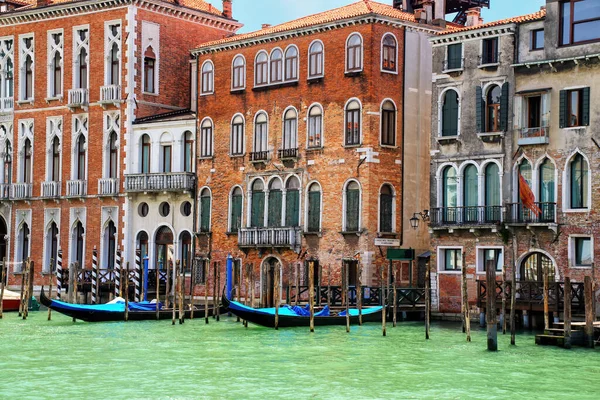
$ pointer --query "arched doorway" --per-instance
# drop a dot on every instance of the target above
(164, 247)
(268, 281)
(3, 234)
(533, 265)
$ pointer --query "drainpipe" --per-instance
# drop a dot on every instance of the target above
(403, 132)
(194, 164)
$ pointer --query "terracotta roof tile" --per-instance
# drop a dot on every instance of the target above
(360, 8)
(536, 16)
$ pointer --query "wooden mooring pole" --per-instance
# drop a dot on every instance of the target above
(22, 293)
(175, 283)
(394, 288)
(465, 299)
(504, 286)
(157, 292)
(346, 290)
(427, 300)
(168, 289)
(513, 293)
(192, 288)
(567, 312)
(49, 291)
(126, 291)
(359, 298)
(329, 285)
(297, 282)
(589, 312)
(546, 299)
(383, 300)
(218, 294)
(276, 288)
(181, 290)
(214, 291)
(311, 294)
(206, 268)
(491, 324)
(3, 272)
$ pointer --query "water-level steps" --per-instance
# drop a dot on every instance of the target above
(556, 337)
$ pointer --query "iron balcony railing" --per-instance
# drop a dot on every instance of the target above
(270, 237)
(160, 182)
(79, 97)
(76, 188)
(108, 187)
(20, 191)
(110, 93)
(51, 189)
(534, 136)
(470, 215)
(517, 213)
(287, 153)
(259, 156)
(7, 104)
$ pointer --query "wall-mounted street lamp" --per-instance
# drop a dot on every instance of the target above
(414, 221)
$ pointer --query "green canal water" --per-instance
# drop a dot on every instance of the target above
(62, 359)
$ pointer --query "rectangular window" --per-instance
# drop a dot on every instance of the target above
(454, 57)
(237, 138)
(537, 39)
(487, 255)
(579, 21)
(534, 111)
(166, 158)
(451, 259)
(574, 107)
(352, 127)
(582, 248)
(206, 141)
(489, 53)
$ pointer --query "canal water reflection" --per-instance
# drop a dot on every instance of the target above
(59, 359)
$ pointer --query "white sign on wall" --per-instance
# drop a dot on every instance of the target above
(387, 242)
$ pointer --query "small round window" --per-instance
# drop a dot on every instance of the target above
(143, 209)
(186, 208)
(164, 209)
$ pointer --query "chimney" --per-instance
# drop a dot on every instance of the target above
(227, 9)
(265, 26)
(474, 17)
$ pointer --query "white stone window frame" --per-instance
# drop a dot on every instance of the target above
(78, 46)
(249, 200)
(480, 257)
(52, 49)
(243, 153)
(345, 203)
(6, 133)
(308, 64)
(382, 70)
(445, 68)
(75, 133)
(21, 217)
(76, 214)
(210, 210)
(572, 251)
(394, 199)
(211, 82)
(244, 77)
(307, 120)
(26, 131)
(203, 144)
(441, 259)
(395, 123)
(54, 128)
(268, 77)
(566, 187)
(229, 205)
(362, 54)
(285, 69)
(362, 122)
(108, 214)
(151, 38)
(307, 205)
(9, 54)
(112, 123)
(109, 40)
(440, 119)
(267, 145)
(284, 132)
(536, 173)
(23, 53)
(50, 215)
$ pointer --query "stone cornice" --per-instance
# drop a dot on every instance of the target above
(508, 29)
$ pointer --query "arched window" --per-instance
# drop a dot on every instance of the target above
(164, 247)
(354, 53)
(449, 118)
(261, 133)
(24, 242)
(388, 56)
(261, 68)
(28, 88)
(546, 190)
(235, 217)
(492, 105)
(188, 152)
(113, 162)
(353, 123)
(80, 163)
(7, 169)
(449, 194)
(289, 141)
(205, 201)
(493, 196)
(238, 73)
(82, 73)
(56, 75)
(315, 126)
(185, 240)
(257, 213)
(316, 60)
(52, 248)
(275, 206)
(578, 182)
(8, 89)
(291, 63)
(276, 66)
(207, 78)
(27, 161)
(55, 164)
(142, 242)
(524, 170)
(149, 70)
(145, 155)
(386, 209)
(78, 241)
(313, 223)
(206, 138)
(470, 193)
(292, 202)
(110, 240)
(237, 136)
(352, 207)
(388, 123)
(533, 266)
(114, 77)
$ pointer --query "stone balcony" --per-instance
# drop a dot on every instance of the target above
(21, 191)
(7, 104)
(288, 237)
(76, 188)
(110, 94)
(160, 182)
(78, 98)
(50, 190)
(108, 187)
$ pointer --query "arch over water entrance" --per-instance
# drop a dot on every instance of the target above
(164, 247)
(268, 267)
(532, 267)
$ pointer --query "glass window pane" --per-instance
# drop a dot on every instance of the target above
(583, 32)
(583, 251)
(565, 23)
(586, 9)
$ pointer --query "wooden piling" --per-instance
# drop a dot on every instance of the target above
(359, 292)
(328, 284)
(513, 293)
(504, 286)
(157, 292)
(22, 292)
(206, 267)
(546, 299)
(175, 282)
(192, 288)
(218, 294)
(383, 300)
(252, 286)
(427, 301)
(126, 291)
(346, 289)
(3, 272)
(168, 289)
(27, 294)
(49, 293)
(276, 294)
(181, 291)
(395, 297)
(465, 299)
(589, 312)
(297, 283)
(492, 328)
(311, 294)
(567, 312)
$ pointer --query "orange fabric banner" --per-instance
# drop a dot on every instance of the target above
(527, 196)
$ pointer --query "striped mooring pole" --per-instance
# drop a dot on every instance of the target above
(59, 274)
(94, 276)
(137, 272)
(118, 273)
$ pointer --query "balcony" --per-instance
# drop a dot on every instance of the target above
(77, 188)
(108, 187)
(517, 214)
(161, 182)
(21, 191)
(270, 237)
(288, 154)
(7, 104)
(529, 136)
(4, 191)
(50, 190)
(465, 216)
(78, 98)
(110, 94)
(259, 156)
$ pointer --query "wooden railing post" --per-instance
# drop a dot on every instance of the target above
(589, 312)
(567, 312)
(492, 328)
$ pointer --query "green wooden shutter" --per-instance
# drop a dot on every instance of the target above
(314, 211)
(205, 214)
(450, 114)
(385, 212)
(563, 109)
(274, 219)
(352, 210)
(479, 106)
(504, 108)
(258, 209)
(585, 119)
(292, 205)
(236, 213)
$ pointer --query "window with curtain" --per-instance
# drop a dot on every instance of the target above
(260, 133)
(257, 212)
(291, 64)
(493, 197)
(205, 210)
(388, 58)
(238, 73)
(583, 251)
(111, 245)
(386, 209)
(449, 194)
(449, 118)
(206, 139)
(52, 246)
(314, 208)
(315, 126)
(113, 78)
(388, 124)
(290, 130)
(546, 187)
(235, 218)
(292, 202)
(525, 171)
(81, 152)
(470, 194)
(352, 207)
(113, 162)
(452, 259)
(188, 152)
(315, 60)
(275, 204)
(579, 182)
(145, 155)
(237, 136)
(354, 62)
(208, 76)
(261, 69)
(276, 66)
(353, 123)
(27, 162)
